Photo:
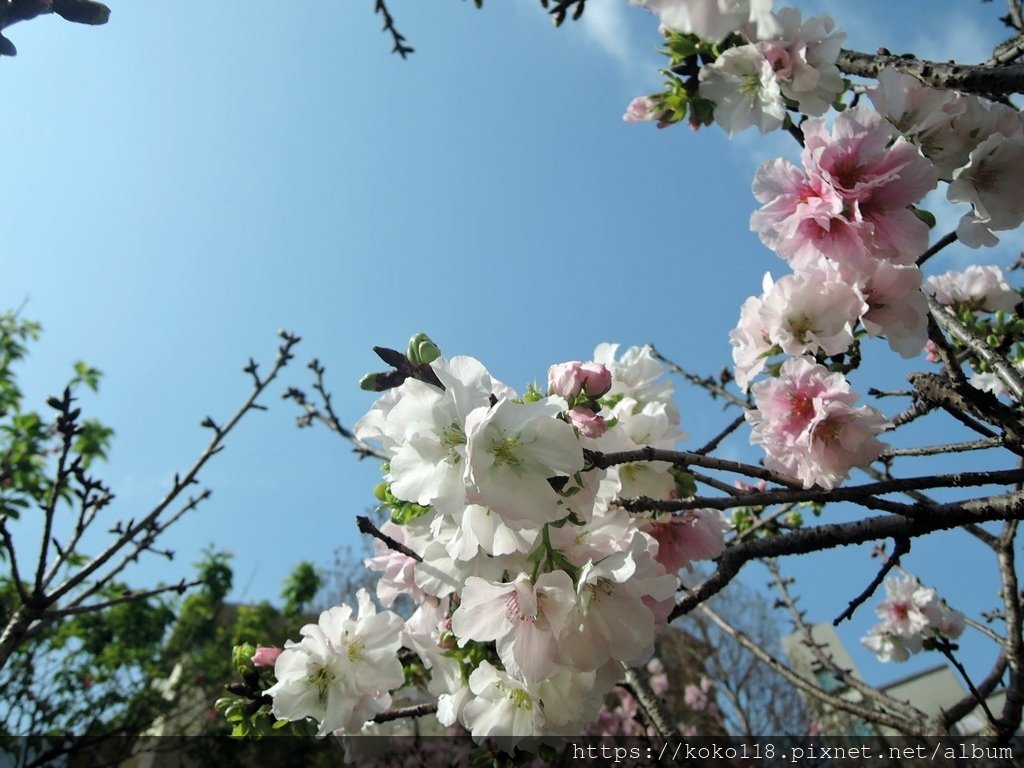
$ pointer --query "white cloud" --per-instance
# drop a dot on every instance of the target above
(605, 23)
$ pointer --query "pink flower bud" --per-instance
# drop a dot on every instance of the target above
(587, 422)
(597, 379)
(566, 379)
(265, 655)
(640, 110)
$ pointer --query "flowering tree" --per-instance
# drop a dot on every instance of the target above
(543, 532)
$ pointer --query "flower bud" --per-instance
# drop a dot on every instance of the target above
(566, 379)
(597, 379)
(422, 349)
(265, 655)
(587, 422)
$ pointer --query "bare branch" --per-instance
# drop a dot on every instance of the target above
(868, 713)
(900, 548)
(862, 494)
(128, 597)
(684, 459)
(713, 387)
(400, 47)
(970, 78)
(367, 527)
(932, 518)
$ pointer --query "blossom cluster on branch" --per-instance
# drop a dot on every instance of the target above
(542, 533)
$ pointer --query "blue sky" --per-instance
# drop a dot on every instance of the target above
(186, 180)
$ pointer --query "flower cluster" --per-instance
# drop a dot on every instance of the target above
(533, 588)
(791, 64)
(975, 144)
(843, 222)
(759, 64)
(808, 427)
(911, 615)
(977, 289)
(342, 671)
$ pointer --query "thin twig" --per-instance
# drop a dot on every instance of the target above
(129, 597)
(944, 647)
(967, 704)
(878, 698)
(707, 383)
(867, 713)
(939, 517)
(708, 447)
(900, 548)
(931, 450)
(400, 47)
(856, 493)
(367, 527)
(948, 239)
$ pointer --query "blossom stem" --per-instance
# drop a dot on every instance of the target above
(948, 239)
(945, 647)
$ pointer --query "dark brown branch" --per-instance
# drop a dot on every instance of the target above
(713, 443)
(400, 47)
(939, 517)
(368, 528)
(900, 548)
(972, 78)
(78, 11)
(863, 493)
(418, 710)
(948, 239)
(129, 597)
(684, 459)
(983, 689)
(944, 647)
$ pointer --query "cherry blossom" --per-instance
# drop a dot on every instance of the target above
(978, 288)
(513, 448)
(713, 19)
(806, 422)
(342, 671)
(525, 618)
(910, 614)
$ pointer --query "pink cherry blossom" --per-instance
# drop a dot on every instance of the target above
(852, 197)
(587, 422)
(699, 534)
(808, 427)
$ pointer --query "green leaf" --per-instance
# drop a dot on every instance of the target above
(926, 216)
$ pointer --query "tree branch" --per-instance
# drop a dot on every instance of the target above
(971, 78)
(933, 518)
